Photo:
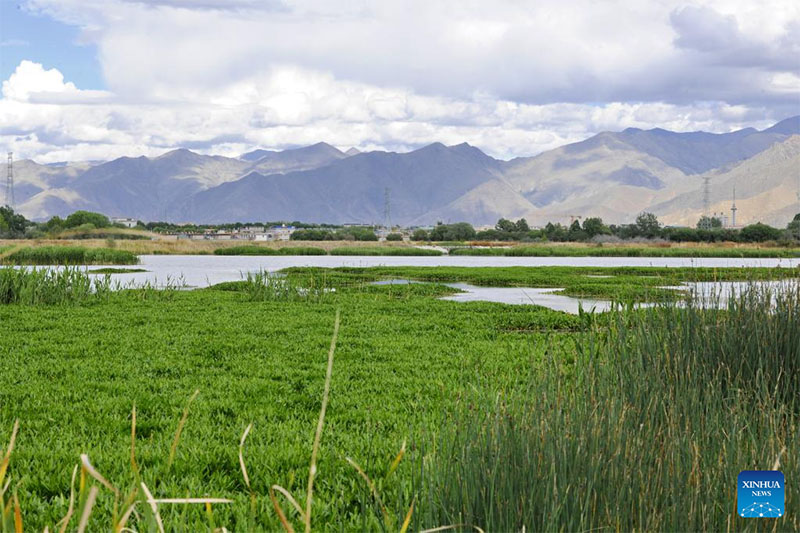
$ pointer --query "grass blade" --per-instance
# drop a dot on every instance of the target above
(312, 471)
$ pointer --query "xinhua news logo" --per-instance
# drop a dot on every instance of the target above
(761, 494)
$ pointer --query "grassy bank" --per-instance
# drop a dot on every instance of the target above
(163, 245)
(69, 255)
(631, 251)
(263, 250)
(518, 389)
(384, 250)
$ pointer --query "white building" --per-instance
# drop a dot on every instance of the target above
(127, 222)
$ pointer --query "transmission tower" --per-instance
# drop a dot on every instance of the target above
(387, 208)
(706, 220)
(10, 181)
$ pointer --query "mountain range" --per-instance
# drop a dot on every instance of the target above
(613, 175)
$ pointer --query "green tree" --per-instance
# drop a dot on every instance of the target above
(461, 231)
(12, 225)
(420, 235)
(707, 222)
(648, 225)
(576, 233)
(394, 237)
(505, 226)
(594, 226)
(522, 226)
(79, 218)
(759, 233)
(794, 225)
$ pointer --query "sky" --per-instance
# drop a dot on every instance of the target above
(98, 79)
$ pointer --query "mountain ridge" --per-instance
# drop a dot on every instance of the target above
(615, 175)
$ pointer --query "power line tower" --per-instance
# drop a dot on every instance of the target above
(387, 208)
(10, 181)
(705, 221)
(734, 209)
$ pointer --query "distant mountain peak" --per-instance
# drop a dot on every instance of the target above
(182, 153)
(789, 126)
(353, 151)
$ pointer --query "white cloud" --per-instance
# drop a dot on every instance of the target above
(513, 78)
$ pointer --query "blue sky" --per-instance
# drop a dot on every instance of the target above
(26, 34)
(97, 79)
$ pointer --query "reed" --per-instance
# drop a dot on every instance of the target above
(70, 255)
(263, 250)
(384, 250)
(52, 286)
(643, 426)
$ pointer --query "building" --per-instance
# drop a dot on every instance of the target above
(127, 222)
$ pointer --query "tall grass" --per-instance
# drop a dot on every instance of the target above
(264, 250)
(70, 255)
(643, 426)
(263, 286)
(51, 286)
(384, 250)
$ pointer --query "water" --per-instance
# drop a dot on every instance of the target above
(205, 270)
(549, 298)
(708, 294)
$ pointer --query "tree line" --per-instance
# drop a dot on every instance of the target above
(646, 226)
(592, 229)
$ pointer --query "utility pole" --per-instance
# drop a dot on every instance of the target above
(10, 181)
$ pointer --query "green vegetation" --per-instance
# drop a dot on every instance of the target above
(627, 251)
(383, 250)
(50, 286)
(70, 255)
(116, 270)
(357, 233)
(614, 283)
(303, 250)
(637, 408)
(263, 250)
(247, 250)
(641, 425)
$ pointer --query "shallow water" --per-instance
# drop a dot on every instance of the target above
(706, 294)
(205, 270)
(549, 298)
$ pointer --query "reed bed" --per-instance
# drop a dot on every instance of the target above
(384, 250)
(70, 255)
(52, 286)
(643, 426)
(263, 250)
(263, 286)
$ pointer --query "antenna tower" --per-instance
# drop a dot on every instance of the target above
(734, 209)
(10, 181)
(387, 208)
